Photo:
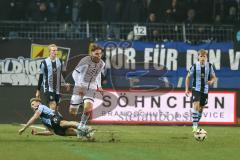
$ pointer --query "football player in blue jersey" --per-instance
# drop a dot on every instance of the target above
(54, 122)
(203, 75)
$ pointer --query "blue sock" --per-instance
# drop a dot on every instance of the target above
(195, 117)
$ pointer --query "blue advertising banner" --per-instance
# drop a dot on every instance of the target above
(165, 65)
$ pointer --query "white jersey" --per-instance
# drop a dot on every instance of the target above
(88, 73)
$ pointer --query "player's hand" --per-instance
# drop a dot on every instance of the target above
(68, 86)
(210, 82)
(38, 94)
(100, 90)
(187, 92)
(21, 131)
(33, 132)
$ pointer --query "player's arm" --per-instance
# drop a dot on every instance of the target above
(99, 80)
(99, 85)
(43, 133)
(213, 79)
(30, 122)
(213, 76)
(40, 80)
(187, 82)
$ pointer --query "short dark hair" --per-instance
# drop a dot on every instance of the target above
(35, 99)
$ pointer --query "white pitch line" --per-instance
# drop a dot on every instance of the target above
(99, 131)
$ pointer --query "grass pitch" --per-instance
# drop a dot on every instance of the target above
(123, 142)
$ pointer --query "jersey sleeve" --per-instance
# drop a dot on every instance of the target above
(41, 71)
(212, 72)
(99, 77)
(81, 63)
(98, 81)
(40, 108)
(191, 70)
(40, 79)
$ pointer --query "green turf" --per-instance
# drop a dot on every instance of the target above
(130, 143)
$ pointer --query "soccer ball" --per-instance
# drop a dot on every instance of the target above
(200, 134)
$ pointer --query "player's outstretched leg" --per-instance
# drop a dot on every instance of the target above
(83, 128)
(195, 116)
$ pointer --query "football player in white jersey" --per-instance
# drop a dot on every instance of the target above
(87, 78)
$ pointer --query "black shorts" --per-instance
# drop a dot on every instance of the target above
(57, 129)
(199, 96)
(51, 96)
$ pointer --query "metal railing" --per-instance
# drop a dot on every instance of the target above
(192, 33)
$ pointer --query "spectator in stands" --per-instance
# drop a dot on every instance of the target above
(77, 4)
(157, 7)
(232, 16)
(153, 32)
(53, 9)
(65, 10)
(112, 13)
(174, 12)
(17, 9)
(190, 16)
(218, 19)
(38, 11)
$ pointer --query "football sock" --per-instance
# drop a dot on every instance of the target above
(195, 117)
(84, 118)
(199, 116)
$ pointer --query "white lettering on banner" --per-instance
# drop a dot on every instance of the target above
(21, 71)
(172, 55)
(215, 58)
(157, 58)
(130, 58)
(234, 59)
(156, 107)
(120, 58)
(160, 57)
(192, 57)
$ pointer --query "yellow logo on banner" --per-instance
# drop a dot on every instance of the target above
(41, 51)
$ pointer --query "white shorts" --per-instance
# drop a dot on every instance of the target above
(81, 92)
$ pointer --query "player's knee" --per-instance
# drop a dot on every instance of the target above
(73, 111)
(87, 109)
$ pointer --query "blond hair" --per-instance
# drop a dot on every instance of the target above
(51, 45)
(202, 52)
(35, 99)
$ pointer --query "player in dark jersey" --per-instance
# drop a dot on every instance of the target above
(51, 78)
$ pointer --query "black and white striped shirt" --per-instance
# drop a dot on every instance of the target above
(201, 75)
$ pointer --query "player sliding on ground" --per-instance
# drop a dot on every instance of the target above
(54, 122)
(87, 78)
(203, 76)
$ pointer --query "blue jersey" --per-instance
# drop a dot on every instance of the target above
(201, 75)
(46, 114)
